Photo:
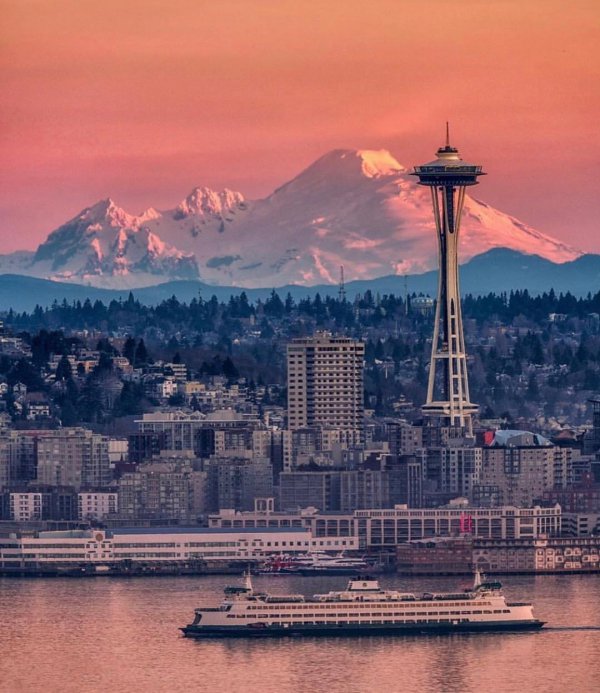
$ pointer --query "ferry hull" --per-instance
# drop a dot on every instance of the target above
(335, 630)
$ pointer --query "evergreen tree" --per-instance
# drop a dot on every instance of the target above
(141, 354)
(129, 349)
(64, 370)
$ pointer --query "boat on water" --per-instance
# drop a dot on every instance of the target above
(362, 608)
(317, 563)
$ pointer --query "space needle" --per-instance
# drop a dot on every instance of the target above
(448, 400)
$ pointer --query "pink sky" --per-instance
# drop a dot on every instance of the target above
(143, 100)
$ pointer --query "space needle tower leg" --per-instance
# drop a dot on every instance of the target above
(448, 399)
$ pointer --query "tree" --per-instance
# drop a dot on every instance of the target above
(229, 369)
(130, 400)
(64, 370)
(129, 349)
(68, 414)
(104, 346)
(533, 391)
(141, 353)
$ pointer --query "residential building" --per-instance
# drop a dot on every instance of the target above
(74, 457)
(163, 490)
(96, 505)
(325, 382)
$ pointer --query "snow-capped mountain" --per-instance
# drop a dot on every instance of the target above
(103, 242)
(359, 209)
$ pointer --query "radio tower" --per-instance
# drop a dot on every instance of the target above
(448, 398)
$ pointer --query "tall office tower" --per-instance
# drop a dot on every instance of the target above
(325, 382)
(448, 398)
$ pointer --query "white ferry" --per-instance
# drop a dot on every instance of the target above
(363, 608)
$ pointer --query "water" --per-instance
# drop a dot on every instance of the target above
(117, 634)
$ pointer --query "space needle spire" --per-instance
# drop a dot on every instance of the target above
(448, 399)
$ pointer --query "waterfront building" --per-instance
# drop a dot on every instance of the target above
(448, 400)
(155, 545)
(497, 556)
(383, 529)
(435, 556)
(325, 382)
(387, 528)
(543, 554)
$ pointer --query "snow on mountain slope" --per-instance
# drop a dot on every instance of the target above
(360, 209)
(103, 245)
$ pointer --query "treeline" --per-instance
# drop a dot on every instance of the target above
(226, 317)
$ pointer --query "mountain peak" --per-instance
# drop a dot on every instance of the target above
(204, 201)
(378, 162)
(370, 163)
(341, 167)
(106, 210)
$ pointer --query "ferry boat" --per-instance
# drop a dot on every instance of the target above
(362, 608)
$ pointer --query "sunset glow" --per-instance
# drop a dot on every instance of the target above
(143, 100)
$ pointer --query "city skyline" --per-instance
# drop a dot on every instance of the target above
(143, 102)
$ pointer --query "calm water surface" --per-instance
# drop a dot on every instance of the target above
(114, 634)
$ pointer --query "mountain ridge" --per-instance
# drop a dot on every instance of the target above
(356, 208)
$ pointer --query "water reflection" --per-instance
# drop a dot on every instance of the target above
(122, 635)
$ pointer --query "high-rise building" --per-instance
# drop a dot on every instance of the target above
(448, 388)
(325, 382)
(74, 457)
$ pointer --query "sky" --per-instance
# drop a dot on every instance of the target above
(141, 101)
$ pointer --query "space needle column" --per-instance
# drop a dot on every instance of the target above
(448, 398)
